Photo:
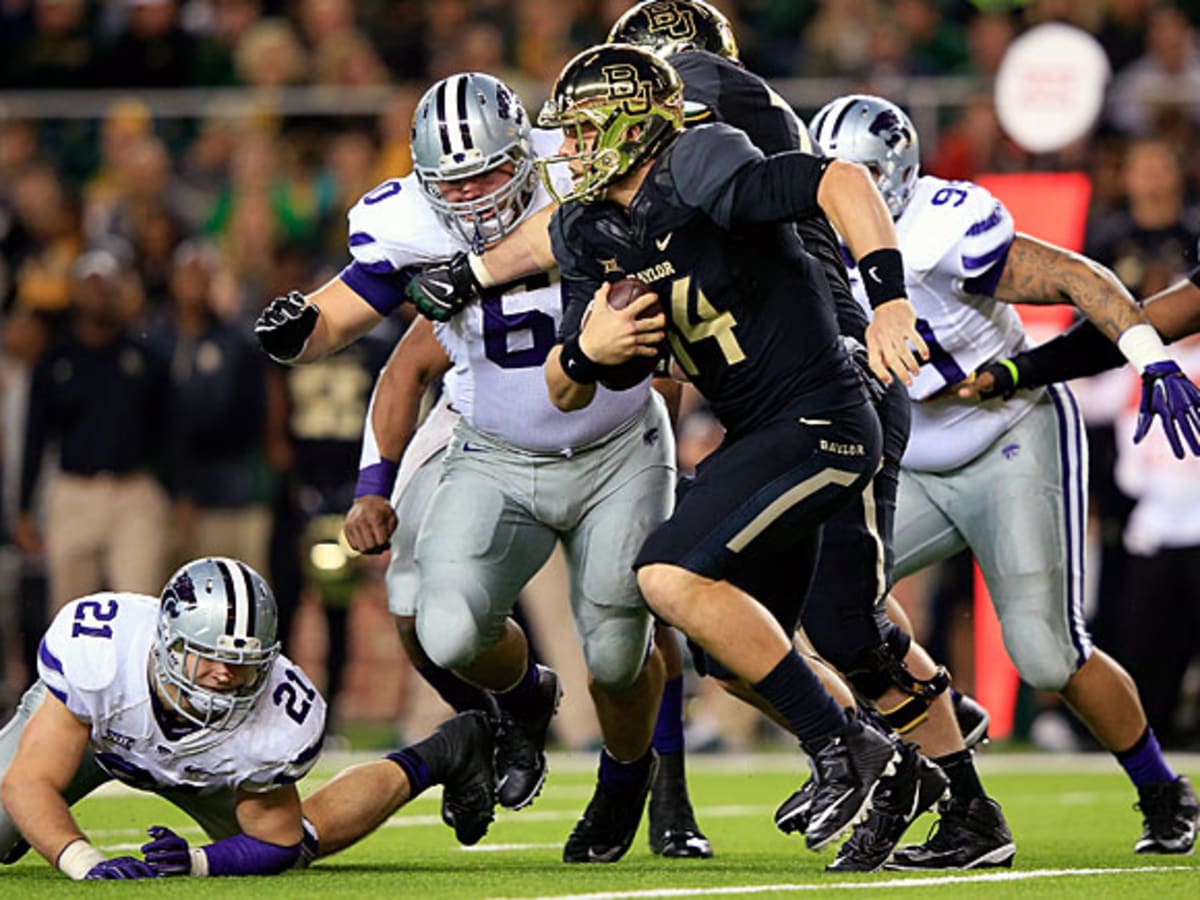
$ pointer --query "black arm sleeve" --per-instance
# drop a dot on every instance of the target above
(1076, 353)
(579, 283)
(718, 170)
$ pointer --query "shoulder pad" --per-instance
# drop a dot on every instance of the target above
(86, 636)
(392, 227)
(943, 216)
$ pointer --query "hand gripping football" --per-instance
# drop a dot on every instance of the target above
(636, 369)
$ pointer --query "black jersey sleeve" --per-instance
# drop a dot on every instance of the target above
(580, 279)
(715, 168)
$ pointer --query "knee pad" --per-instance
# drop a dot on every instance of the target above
(448, 631)
(1042, 665)
(616, 652)
(883, 667)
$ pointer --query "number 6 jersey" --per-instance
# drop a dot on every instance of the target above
(95, 658)
(497, 345)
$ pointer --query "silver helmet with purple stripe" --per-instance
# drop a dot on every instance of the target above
(876, 133)
(465, 126)
(220, 610)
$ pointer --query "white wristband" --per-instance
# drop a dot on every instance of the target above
(199, 863)
(1142, 346)
(479, 270)
(78, 858)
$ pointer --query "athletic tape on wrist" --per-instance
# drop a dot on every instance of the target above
(1142, 346)
(78, 858)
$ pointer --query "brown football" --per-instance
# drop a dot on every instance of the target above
(635, 370)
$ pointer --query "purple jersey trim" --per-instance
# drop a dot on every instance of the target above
(985, 282)
(49, 660)
(383, 294)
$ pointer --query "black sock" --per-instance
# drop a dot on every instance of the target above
(624, 777)
(462, 696)
(426, 762)
(522, 699)
(964, 780)
(799, 697)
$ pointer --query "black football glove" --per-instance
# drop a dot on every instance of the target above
(441, 291)
(1008, 375)
(284, 326)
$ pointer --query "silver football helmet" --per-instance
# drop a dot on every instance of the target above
(218, 609)
(876, 133)
(466, 125)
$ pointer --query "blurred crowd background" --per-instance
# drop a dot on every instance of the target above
(166, 168)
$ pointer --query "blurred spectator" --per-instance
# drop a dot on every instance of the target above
(217, 414)
(1122, 31)
(395, 134)
(975, 144)
(838, 41)
(60, 52)
(350, 169)
(270, 54)
(125, 122)
(988, 37)
(1166, 76)
(936, 45)
(215, 52)
(41, 242)
(101, 394)
(348, 59)
(1161, 601)
(152, 51)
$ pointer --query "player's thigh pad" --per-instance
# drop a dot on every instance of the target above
(761, 492)
(477, 546)
(410, 506)
(1021, 507)
(612, 620)
(88, 776)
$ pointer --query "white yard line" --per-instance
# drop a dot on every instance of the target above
(981, 878)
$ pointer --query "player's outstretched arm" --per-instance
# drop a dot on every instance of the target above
(47, 758)
(415, 362)
(296, 329)
(1038, 272)
(269, 843)
(1082, 350)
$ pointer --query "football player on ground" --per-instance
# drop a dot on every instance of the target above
(519, 474)
(187, 696)
(704, 218)
(1009, 480)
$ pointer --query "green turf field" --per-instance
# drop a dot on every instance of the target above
(1071, 816)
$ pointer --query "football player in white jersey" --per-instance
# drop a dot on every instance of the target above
(519, 474)
(1007, 480)
(187, 696)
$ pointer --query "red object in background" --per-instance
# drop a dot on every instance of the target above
(1051, 206)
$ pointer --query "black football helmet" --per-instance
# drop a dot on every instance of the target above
(621, 104)
(672, 26)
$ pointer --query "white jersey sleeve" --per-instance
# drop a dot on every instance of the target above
(392, 231)
(79, 655)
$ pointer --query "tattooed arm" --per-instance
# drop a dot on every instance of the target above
(1040, 273)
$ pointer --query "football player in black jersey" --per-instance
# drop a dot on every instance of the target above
(704, 218)
(854, 570)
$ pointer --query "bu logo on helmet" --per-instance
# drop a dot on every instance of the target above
(678, 24)
(624, 86)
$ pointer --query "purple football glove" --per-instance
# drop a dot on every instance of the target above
(120, 869)
(168, 854)
(1168, 394)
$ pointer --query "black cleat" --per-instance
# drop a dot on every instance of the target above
(847, 765)
(792, 815)
(469, 787)
(1170, 814)
(673, 829)
(899, 799)
(973, 720)
(521, 747)
(605, 831)
(19, 848)
(970, 835)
